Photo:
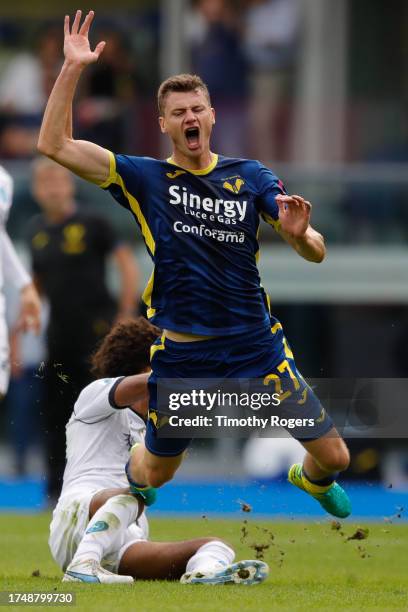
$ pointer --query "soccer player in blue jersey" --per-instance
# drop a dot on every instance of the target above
(199, 215)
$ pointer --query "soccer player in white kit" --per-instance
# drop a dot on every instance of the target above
(12, 271)
(99, 532)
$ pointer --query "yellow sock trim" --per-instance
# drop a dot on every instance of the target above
(311, 487)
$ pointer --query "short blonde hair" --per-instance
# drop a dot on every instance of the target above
(183, 83)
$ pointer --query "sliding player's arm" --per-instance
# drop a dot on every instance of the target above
(106, 396)
(85, 159)
(294, 227)
(132, 392)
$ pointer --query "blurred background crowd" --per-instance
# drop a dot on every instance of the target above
(316, 90)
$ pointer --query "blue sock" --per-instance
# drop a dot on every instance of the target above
(322, 482)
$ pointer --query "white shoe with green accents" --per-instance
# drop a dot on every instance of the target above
(243, 572)
(90, 571)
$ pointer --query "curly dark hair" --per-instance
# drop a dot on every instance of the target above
(125, 350)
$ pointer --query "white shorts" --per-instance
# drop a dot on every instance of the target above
(69, 522)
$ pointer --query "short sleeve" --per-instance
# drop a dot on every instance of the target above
(126, 184)
(125, 178)
(269, 186)
(96, 401)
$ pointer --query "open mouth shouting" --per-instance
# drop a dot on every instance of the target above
(192, 135)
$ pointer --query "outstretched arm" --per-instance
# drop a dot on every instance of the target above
(86, 159)
(295, 228)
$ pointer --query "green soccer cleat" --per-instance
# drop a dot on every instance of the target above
(332, 498)
(148, 494)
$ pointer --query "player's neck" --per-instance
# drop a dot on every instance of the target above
(192, 163)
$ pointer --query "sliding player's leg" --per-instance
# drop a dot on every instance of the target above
(199, 561)
(111, 512)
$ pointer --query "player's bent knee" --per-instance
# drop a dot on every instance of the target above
(337, 460)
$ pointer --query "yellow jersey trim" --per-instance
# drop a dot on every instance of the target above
(115, 178)
(271, 221)
(158, 347)
(135, 206)
(112, 171)
(201, 172)
(147, 296)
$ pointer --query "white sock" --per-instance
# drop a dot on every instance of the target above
(211, 557)
(106, 526)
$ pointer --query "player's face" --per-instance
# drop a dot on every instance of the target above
(188, 120)
(53, 187)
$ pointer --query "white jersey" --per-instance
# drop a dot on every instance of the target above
(11, 269)
(10, 265)
(99, 437)
(6, 195)
(6, 198)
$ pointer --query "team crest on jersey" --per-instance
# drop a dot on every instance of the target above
(40, 240)
(233, 184)
(175, 174)
(74, 243)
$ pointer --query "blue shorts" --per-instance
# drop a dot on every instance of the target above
(246, 356)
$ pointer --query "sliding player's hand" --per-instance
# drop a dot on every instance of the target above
(294, 214)
(76, 42)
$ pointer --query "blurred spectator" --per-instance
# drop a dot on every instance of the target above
(377, 212)
(271, 38)
(25, 395)
(24, 89)
(217, 56)
(108, 92)
(69, 249)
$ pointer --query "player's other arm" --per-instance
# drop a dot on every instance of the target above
(132, 391)
(14, 272)
(86, 159)
(295, 228)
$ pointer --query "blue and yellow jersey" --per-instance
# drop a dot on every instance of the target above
(200, 228)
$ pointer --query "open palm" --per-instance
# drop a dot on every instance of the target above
(76, 41)
(294, 214)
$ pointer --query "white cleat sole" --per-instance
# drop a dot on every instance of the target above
(243, 572)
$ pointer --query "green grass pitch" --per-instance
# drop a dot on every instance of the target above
(313, 566)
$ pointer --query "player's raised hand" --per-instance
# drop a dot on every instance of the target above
(294, 214)
(76, 42)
